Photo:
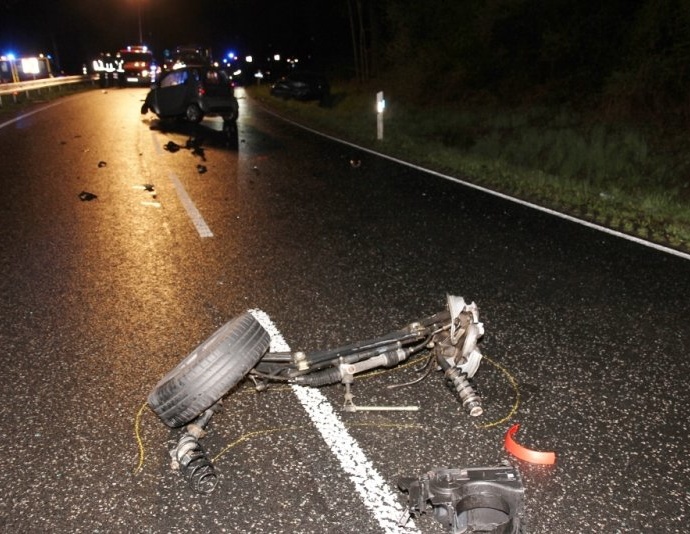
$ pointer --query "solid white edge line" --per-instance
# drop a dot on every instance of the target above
(581, 222)
(156, 145)
(375, 493)
(190, 208)
(29, 113)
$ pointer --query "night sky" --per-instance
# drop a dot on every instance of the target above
(76, 31)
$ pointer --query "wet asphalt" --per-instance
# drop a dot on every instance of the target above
(586, 338)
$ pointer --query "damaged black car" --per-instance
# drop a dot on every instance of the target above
(192, 93)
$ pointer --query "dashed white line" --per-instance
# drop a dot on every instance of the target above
(190, 208)
(156, 144)
(187, 203)
(375, 493)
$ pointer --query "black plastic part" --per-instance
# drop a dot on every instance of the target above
(375, 346)
(320, 378)
(478, 499)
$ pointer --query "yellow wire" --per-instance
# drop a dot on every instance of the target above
(249, 435)
(140, 443)
(513, 383)
(384, 425)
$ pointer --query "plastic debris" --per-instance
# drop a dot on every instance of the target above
(525, 454)
(194, 145)
(476, 499)
(102, 164)
(171, 146)
(85, 196)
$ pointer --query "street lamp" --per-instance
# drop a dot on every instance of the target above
(141, 37)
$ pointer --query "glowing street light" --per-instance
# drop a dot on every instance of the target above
(141, 34)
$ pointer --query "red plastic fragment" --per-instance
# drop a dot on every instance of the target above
(523, 453)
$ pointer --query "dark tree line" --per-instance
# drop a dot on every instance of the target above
(626, 53)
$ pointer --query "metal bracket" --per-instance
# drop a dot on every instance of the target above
(350, 406)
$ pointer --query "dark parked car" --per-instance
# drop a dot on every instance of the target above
(192, 92)
(301, 86)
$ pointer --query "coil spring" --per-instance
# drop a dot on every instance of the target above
(471, 401)
(195, 465)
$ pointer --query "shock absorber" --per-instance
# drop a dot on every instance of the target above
(190, 457)
(471, 401)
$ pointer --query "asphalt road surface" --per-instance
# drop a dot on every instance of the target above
(119, 256)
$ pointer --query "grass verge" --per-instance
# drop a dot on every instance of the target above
(616, 175)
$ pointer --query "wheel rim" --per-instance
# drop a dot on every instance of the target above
(193, 113)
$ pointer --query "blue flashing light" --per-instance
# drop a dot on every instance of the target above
(232, 55)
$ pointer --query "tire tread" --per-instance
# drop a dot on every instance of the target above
(209, 372)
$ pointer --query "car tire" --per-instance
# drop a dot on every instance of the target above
(230, 118)
(210, 371)
(193, 113)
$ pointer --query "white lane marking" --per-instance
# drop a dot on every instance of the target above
(375, 493)
(190, 208)
(29, 113)
(156, 144)
(543, 209)
(194, 215)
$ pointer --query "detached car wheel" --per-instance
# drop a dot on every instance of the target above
(193, 113)
(210, 371)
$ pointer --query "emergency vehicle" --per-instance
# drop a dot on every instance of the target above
(135, 66)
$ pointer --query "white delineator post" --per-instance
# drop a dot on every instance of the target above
(380, 106)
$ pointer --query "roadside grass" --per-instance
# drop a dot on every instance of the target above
(617, 175)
